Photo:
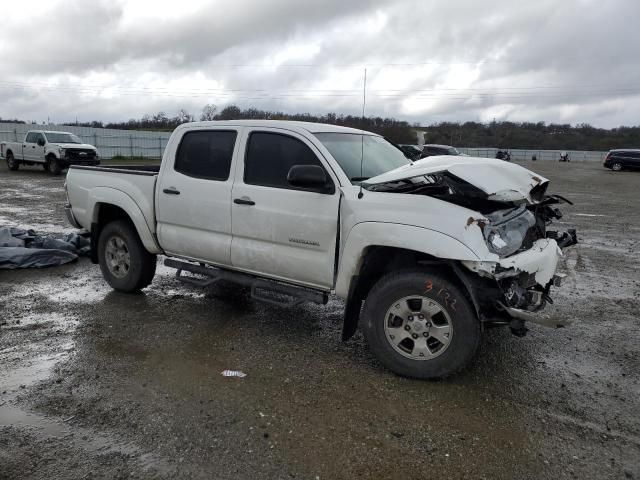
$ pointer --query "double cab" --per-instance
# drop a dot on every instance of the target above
(55, 151)
(426, 254)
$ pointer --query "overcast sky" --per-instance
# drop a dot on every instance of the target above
(427, 61)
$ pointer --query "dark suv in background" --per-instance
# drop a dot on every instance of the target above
(620, 159)
(431, 149)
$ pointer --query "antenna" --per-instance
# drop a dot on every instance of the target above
(364, 103)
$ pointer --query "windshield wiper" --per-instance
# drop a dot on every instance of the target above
(359, 179)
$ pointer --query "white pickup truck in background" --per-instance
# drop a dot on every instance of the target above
(426, 254)
(55, 151)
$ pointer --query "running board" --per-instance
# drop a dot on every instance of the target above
(268, 291)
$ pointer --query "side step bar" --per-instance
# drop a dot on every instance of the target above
(269, 291)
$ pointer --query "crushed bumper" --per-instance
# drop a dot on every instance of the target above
(516, 288)
(540, 260)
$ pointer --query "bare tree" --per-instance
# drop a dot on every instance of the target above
(208, 112)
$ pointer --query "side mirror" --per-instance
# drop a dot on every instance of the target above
(312, 177)
(41, 142)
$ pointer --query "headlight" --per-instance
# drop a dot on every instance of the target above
(62, 152)
(506, 230)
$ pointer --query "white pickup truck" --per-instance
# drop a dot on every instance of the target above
(426, 254)
(55, 151)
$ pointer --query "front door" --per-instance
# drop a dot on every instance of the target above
(278, 230)
(193, 196)
(30, 146)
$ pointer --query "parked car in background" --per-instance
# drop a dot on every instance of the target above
(413, 152)
(431, 150)
(55, 151)
(623, 158)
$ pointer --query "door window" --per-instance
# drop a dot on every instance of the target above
(206, 154)
(30, 138)
(270, 156)
(37, 137)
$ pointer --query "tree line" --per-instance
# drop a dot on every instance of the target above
(503, 135)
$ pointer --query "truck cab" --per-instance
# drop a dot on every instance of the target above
(426, 254)
(55, 151)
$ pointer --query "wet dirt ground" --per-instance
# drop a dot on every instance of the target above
(97, 384)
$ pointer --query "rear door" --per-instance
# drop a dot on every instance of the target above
(193, 196)
(278, 230)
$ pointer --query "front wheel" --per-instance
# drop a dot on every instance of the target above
(126, 265)
(420, 324)
(54, 166)
(12, 163)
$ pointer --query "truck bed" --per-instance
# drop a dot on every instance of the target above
(133, 184)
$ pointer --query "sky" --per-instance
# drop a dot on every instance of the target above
(426, 61)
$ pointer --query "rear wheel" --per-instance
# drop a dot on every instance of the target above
(12, 163)
(616, 167)
(419, 324)
(126, 265)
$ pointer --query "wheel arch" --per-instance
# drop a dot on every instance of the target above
(119, 206)
(409, 247)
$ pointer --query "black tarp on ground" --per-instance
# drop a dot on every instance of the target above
(21, 248)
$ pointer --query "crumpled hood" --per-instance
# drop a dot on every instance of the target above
(75, 145)
(500, 180)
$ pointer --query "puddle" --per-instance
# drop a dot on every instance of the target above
(83, 439)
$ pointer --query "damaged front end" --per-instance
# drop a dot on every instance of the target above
(514, 278)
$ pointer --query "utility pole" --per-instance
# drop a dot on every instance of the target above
(364, 92)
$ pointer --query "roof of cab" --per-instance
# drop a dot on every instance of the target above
(285, 124)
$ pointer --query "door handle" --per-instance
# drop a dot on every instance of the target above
(243, 201)
(171, 191)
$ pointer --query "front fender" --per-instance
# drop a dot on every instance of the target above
(118, 198)
(410, 237)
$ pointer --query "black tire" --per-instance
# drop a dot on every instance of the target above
(141, 266)
(464, 336)
(45, 166)
(12, 163)
(54, 166)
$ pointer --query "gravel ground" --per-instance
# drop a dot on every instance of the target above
(97, 384)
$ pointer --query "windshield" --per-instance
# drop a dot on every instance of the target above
(62, 138)
(378, 155)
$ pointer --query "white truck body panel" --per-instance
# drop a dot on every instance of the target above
(291, 235)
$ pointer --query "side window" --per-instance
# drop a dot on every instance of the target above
(270, 156)
(38, 137)
(206, 154)
(30, 138)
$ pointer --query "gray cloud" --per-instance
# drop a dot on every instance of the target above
(426, 61)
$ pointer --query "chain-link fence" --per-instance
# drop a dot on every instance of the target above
(110, 142)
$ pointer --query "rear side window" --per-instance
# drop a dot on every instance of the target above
(271, 155)
(206, 154)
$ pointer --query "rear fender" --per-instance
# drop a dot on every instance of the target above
(110, 196)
